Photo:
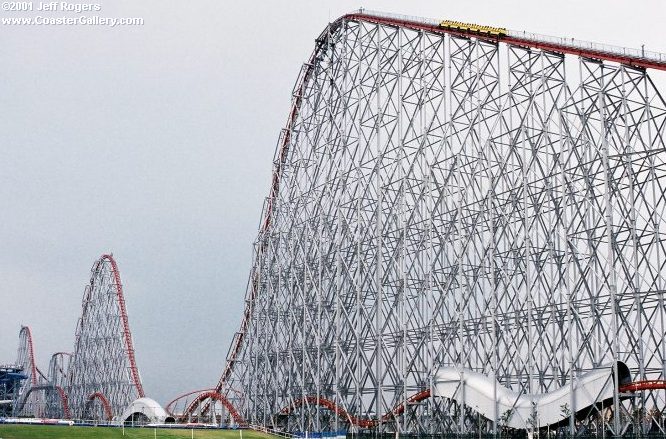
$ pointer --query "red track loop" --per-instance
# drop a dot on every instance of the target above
(105, 404)
(170, 406)
(126, 329)
(215, 396)
(344, 414)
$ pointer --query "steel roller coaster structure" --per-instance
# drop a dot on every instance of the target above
(100, 378)
(463, 234)
(458, 200)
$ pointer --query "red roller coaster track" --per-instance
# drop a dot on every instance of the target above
(275, 186)
(204, 394)
(359, 422)
(61, 394)
(170, 406)
(536, 43)
(64, 401)
(31, 355)
(34, 384)
(638, 386)
(635, 386)
(126, 329)
(105, 404)
(215, 396)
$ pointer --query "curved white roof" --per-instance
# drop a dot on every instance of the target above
(490, 398)
(147, 406)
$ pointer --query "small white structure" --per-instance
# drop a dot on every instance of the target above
(145, 411)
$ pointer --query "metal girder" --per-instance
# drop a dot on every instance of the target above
(102, 377)
(27, 403)
(445, 200)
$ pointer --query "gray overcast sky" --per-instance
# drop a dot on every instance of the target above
(155, 143)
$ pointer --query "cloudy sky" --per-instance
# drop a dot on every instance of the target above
(155, 143)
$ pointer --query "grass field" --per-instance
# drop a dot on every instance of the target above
(66, 432)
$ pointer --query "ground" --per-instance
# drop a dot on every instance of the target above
(65, 432)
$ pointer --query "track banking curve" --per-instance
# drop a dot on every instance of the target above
(630, 57)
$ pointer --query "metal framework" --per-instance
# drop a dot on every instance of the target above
(100, 379)
(24, 402)
(443, 199)
(57, 402)
(10, 382)
(206, 405)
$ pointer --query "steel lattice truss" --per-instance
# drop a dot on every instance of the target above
(57, 402)
(25, 402)
(102, 378)
(442, 200)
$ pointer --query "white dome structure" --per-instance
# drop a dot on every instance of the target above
(145, 411)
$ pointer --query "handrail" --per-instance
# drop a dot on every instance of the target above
(606, 52)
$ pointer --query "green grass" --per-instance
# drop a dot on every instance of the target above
(66, 432)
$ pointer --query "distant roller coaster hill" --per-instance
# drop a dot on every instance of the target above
(99, 380)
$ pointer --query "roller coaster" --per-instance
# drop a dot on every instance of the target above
(100, 378)
(462, 235)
